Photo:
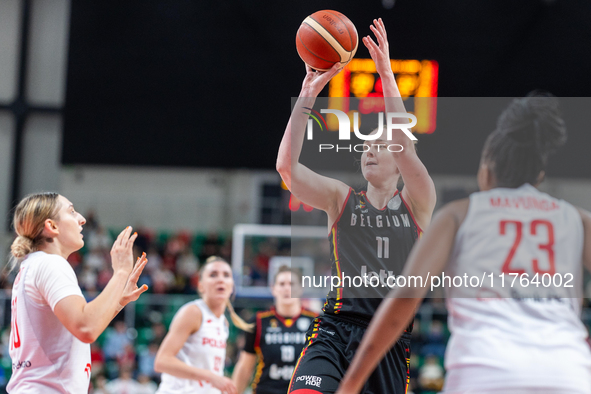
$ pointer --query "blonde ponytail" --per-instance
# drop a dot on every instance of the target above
(237, 320)
(29, 219)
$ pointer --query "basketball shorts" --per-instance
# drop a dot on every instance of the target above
(331, 345)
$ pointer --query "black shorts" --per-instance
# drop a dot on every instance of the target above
(331, 345)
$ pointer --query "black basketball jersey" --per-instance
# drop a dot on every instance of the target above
(370, 243)
(277, 341)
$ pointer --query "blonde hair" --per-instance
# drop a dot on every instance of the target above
(237, 320)
(29, 220)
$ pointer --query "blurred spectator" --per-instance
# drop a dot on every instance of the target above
(99, 239)
(104, 276)
(436, 340)
(431, 374)
(144, 238)
(116, 340)
(177, 243)
(97, 359)
(158, 332)
(187, 264)
(100, 384)
(260, 269)
(146, 361)
(154, 260)
(123, 384)
(91, 222)
(226, 250)
(146, 386)
(169, 261)
(88, 279)
(97, 259)
(162, 280)
(126, 358)
(211, 246)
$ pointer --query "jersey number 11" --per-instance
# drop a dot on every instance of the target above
(383, 247)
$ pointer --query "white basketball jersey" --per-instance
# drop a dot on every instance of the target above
(205, 349)
(46, 357)
(517, 333)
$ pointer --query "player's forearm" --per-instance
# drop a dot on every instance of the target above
(175, 367)
(293, 140)
(97, 314)
(241, 376)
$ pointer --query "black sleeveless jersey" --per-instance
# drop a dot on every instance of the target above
(277, 341)
(372, 245)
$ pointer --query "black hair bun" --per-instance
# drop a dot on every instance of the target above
(534, 120)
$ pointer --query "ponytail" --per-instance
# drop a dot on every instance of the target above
(20, 247)
(28, 221)
(528, 131)
(237, 320)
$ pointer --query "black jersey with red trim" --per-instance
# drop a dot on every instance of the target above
(369, 247)
(277, 341)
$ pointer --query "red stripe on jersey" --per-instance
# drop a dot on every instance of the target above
(342, 210)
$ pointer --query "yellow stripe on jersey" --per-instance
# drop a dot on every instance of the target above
(338, 305)
(259, 373)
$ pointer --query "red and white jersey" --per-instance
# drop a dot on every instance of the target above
(205, 349)
(46, 357)
(518, 330)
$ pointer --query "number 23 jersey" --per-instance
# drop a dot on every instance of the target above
(523, 330)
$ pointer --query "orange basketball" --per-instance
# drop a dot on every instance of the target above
(326, 37)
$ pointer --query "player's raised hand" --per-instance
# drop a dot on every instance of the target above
(315, 81)
(131, 291)
(380, 52)
(122, 251)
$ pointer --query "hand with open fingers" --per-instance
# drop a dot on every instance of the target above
(122, 251)
(380, 52)
(225, 385)
(131, 291)
(315, 81)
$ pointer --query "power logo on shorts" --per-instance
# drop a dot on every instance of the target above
(311, 380)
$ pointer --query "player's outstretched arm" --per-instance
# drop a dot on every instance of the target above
(86, 321)
(428, 258)
(419, 189)
(313, 189)
(243, 370)
(185, 323)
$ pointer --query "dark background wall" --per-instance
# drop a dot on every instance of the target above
(193, 83)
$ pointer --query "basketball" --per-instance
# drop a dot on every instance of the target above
(325, 38)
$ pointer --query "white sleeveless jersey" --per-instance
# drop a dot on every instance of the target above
(205, 349)
(523, 334)
(46, 357)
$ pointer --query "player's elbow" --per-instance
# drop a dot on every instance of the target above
(86, 334)
(285, 173)
(159, 364)
(283, 166)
